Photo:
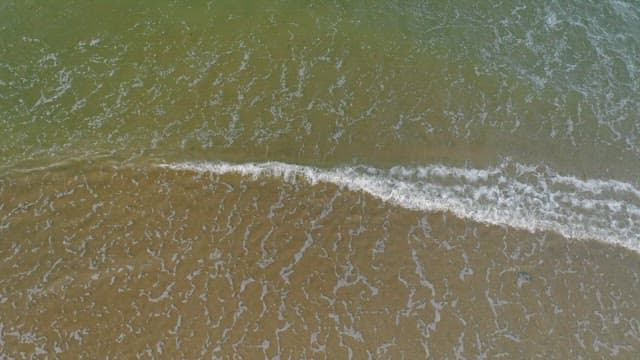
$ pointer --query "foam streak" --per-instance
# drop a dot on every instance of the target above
(533, 198)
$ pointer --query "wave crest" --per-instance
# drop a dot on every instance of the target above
(532, 198)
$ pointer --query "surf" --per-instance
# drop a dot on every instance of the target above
(534, 198)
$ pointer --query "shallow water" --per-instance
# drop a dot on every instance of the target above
(382, 83)
(332, 179)
(156, 262)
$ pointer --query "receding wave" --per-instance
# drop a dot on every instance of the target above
(533, 198)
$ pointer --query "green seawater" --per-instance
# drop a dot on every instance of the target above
(323, 83)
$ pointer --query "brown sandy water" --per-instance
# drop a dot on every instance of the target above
(122, 262)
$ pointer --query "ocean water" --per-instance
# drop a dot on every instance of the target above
(329, 179)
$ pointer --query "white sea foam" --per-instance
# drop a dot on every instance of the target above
(533, 198)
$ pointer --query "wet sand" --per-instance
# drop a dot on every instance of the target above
(103, 261)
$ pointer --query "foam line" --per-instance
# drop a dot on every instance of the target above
(532, 198)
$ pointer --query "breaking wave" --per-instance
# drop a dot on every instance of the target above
(533, 198)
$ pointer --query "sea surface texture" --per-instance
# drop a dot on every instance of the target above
(320, 179)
